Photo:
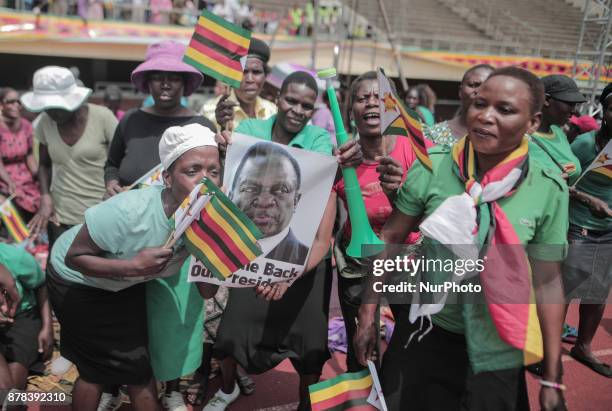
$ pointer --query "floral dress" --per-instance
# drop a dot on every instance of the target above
(14, 149)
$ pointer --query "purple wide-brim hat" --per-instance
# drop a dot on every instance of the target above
(166, 56)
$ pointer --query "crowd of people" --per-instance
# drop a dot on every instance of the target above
(129, 317)
(296, 20)
(177, 12)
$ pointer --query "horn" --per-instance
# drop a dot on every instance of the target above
(362, 233)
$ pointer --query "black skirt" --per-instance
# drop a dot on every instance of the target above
(259, 334)
(19, 341)
(104, 333)
(435, 374)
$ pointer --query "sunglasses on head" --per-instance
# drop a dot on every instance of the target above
(13, 101)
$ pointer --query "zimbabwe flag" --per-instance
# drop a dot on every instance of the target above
(354, 391)
(217, 47)
(13, 222)
(222, 238)
(397, 119)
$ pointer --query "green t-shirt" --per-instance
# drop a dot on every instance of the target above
(594, 183)
(122, 226)
(538, 213)
(26, 272)
(428, 117)
(548, 149)
(310, 138)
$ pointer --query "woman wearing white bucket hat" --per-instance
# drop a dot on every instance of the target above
(74, 137)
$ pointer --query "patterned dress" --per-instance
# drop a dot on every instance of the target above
(14, 149)
(440, 134)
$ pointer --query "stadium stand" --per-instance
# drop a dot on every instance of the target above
(549, 28)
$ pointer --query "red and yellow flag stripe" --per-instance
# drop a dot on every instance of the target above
(605, 170)
(13, 222)
(223, 239)
(216, 48)
(347, 391)
(408, 125)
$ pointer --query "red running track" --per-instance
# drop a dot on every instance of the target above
(277, 389)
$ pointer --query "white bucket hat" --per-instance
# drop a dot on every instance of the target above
(54, 87)
(177, 140)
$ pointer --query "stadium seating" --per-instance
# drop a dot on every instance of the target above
(544, 27)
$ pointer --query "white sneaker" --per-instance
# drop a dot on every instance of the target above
(109, 402)
(221, 400)
(174, 401)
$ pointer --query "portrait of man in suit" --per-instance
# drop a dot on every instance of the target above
(266, 187)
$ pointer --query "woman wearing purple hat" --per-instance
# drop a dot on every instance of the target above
(132, 154)
(163, 74)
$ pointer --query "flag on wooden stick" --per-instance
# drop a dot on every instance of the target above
(13, 222)
(353, 391)
(397, 119)
(219, 234)
(217, 48)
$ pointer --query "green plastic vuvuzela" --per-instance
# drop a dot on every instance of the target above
(362, 233)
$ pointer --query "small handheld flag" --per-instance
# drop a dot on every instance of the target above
(349, 391)
(602, 163)
(152, 177)
(217, 48)
(222, 237)
(13, 222)
(189, 210)
(396, 119)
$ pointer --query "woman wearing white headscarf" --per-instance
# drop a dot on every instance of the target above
(97, 272)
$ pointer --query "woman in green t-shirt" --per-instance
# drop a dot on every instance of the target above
(587, 272)
(550, 145)
(471, 355)
(98, 270)
(26, 334)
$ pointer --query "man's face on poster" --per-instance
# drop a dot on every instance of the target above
(266, 190)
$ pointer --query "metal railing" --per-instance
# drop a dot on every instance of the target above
(462, 45)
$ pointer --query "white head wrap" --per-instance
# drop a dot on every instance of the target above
(179, 139)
